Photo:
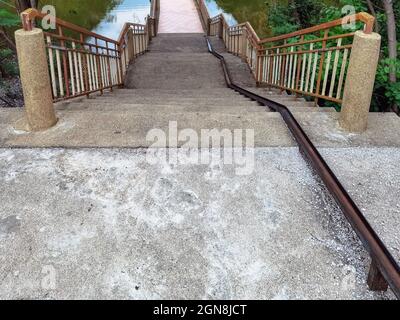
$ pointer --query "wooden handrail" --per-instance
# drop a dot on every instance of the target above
(154, 15)
(368, 19)
(125, 28)
(78, 66)
(313, 67)
(362, 16)
(30, 14)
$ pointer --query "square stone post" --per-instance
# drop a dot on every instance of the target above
(35, 79)
(360, 81)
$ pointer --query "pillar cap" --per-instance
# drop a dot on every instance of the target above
(34, 31)
(371, 36)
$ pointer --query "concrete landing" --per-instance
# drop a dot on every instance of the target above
(179, 16)
(105, 224)
(124, 128)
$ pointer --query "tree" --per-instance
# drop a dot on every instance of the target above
(296, 15)
(371, 9)
(392, 42)
(22, 5)
(8, 20)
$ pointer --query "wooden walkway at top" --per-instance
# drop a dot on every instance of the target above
(179, 16)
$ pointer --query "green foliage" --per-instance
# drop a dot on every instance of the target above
(391, 90)
(8, 64)
(287, 18)
(281, 20)
(8, 19)
(84, 13)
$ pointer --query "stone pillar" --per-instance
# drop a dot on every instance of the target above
(360, 82)
(35, 79)
(131, 52)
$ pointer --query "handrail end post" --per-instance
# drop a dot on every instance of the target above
(359, 85)
(35, 79)
(130, 44)
(208, 27)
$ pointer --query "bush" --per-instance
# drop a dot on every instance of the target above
(8, 64)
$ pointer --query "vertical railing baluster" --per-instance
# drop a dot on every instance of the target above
(299, 65)
(85, 65)
(64, 59)
(120, 76)
(293, 84)
(52, 71)
(321, 65)
(327, 67)
(89, 71)
(335, 65)
(77, 74)
(98, 70)
(290, 67)
(109, 66)
(71, 71)
(310, 58)
(303, 72)
(342, 73)
(82, 86)
(59, 73)
(271, 59)
(316, 55)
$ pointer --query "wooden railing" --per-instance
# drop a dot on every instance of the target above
(82, 62)
(205, 16)
(155, 16)
(311, 62)
(133, 41)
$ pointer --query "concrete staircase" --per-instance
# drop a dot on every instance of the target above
(116, 226)
(180, 78)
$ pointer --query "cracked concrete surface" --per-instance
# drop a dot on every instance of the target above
(107, 224)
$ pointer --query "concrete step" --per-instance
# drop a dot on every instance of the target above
(164, 109)
(265, 91)
(212, 103)
(310, 109)
(210, 92)
(180, 106)
(179, 42)
(200, 57)
(175, 71)
(204, 98)
(239, 71)
(291, 103)
(127, 129)
(198, 94)
(217, 44)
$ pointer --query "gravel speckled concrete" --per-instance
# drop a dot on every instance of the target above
(106, 224)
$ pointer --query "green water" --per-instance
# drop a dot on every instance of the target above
(107, 17)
